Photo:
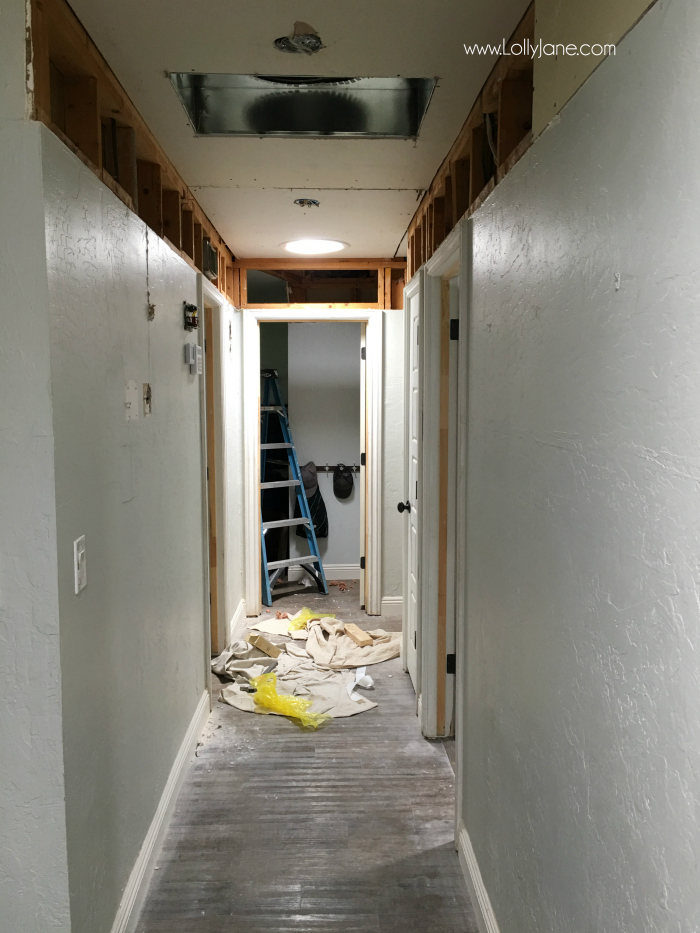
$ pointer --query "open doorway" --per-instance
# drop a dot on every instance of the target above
(343, 555)
(319, 377)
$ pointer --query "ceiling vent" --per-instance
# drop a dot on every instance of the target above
(304, 106)
(304, 38)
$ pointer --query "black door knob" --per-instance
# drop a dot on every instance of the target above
(404, 506)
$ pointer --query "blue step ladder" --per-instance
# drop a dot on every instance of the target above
(272, 404)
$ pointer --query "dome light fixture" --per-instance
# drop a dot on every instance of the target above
(312, 247)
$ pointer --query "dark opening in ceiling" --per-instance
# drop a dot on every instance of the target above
(316, 286)
(296, 105)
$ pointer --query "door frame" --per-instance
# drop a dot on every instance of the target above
(461, 530)
(221, 309)
(445, 264)
(374, 321)
(411, 290)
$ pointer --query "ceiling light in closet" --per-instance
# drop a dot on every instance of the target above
(310, 247)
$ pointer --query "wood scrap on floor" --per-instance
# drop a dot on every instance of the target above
(262, 644)
(341, 584)
(361, 638)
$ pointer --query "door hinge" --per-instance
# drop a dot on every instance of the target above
(451, 664)
(363, 353)
(207, 472)
(415, 641)
(362, 563)
(454, 328)
(363, 462)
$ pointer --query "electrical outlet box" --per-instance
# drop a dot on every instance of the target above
(79, 564)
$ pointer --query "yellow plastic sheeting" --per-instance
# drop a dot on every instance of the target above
(304, 615)
(267, 697)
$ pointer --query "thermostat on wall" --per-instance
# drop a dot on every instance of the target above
(194, 358)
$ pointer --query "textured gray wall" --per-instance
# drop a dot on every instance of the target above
(33, 866)
(582, 761)
(132, 642)
(324, 415)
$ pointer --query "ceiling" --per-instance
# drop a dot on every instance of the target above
(368, 188)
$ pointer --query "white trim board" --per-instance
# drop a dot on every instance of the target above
(443, 265)
(485, 917)
(392, 606)
(373, 318)
(332, 572)
(140, 877)
(237, 623)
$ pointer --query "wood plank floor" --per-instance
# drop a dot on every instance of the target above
(348, 829)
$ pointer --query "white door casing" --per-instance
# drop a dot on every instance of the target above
(363, 469)
(434, 634)
(413, 298)
(461, 621)
(374, 321)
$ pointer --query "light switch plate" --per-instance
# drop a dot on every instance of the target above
(79, 564)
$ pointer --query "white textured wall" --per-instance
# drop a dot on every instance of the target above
(33, 862)
(582, 761)
(324, 415)
(132, 643)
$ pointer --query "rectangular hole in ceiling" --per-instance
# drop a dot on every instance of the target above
(302, 106)
(315, 286)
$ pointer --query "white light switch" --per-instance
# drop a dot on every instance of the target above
(79, 564)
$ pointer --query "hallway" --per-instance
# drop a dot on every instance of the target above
(350, 828)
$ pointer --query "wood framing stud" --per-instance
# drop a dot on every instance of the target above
(187, 225)
(198, 246)
(126, 157)
(82, 117)
(495, 134)
(150, 195)
(515, 112)
(172, 217)
(76, 94)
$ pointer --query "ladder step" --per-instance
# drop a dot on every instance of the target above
(285, 523)
(280, 483)
(292, 562)
(279, 446)
(273, 408)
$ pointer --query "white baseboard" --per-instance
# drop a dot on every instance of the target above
(332, 572)
(140, 877)
(485, 917)
(392, 606)
(237, 623)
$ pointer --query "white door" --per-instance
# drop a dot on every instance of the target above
(410, 504)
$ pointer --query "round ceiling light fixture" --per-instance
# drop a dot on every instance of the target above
(311, 247)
